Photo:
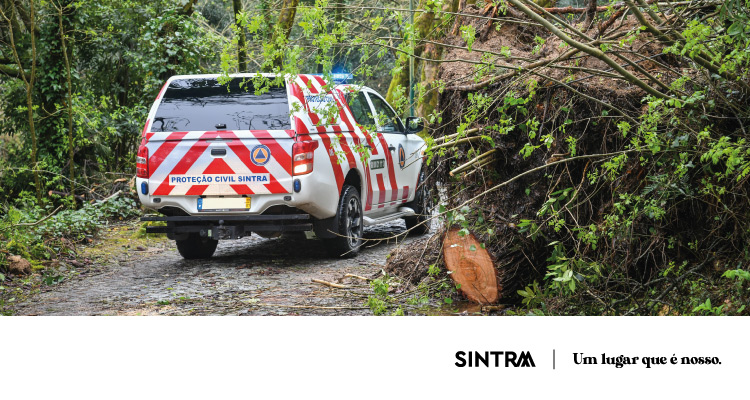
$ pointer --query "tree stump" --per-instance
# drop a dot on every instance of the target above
(472, 267)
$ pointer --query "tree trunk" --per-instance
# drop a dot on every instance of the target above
(30, 102)
(241, 45)
(590, 14)
(472, 267)
(28, 79)
(428, 91)
(422, 25)
(425, 71)
(69, 82)
(283, 28)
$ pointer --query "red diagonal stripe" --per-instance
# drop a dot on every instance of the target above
(301, 127)
(341, 104)
(218, 166)
(243, 153)
(381, 186)
(182, 166)
(297, 92)
(368, 203)
(196, 190)
(242, 189)
(337, 173)
(345, 147)
(391, 172)
(309, 86)
(320, 81)
(155, 160)
(277, 152)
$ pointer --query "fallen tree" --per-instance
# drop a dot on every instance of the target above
(602, 160)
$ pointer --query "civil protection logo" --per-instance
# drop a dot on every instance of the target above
(401, 156)
(260, 155)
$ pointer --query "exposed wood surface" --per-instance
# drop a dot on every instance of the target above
(472, 267)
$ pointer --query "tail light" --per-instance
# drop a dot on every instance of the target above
(141, 162)
(302, 157)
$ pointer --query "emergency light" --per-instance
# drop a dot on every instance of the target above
(341, 77)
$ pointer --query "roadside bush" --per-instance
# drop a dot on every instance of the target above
(27, 232)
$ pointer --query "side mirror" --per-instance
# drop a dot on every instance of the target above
(414, 125)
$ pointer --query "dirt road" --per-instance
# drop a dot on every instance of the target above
(251, 276)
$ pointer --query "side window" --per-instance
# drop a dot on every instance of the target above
(360, 109)
(387, 118)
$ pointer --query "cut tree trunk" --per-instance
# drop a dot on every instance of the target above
(472, 267)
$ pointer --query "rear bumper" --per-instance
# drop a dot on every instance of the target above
(228, 226)
(318, 197)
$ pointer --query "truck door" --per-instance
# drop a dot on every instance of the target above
(399, 177)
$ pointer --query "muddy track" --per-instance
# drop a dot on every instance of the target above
(251, 276)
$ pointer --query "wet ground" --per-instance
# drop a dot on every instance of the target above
(250, 276)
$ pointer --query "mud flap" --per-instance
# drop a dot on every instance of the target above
(326, 228)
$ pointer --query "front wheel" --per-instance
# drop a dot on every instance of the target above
(196, 247)
(422, 206)
(350, 224)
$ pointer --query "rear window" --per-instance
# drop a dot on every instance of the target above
(205, 105)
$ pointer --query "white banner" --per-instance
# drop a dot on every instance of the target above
(218, 179)
(375, 358)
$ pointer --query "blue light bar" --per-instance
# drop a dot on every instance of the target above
(341, 77)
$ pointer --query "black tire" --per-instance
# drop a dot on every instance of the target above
(422, 206)
(196, 247)
(350, 225)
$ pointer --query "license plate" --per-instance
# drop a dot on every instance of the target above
(224, 204)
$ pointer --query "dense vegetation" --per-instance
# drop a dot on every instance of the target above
(603, 156)
(600, 153)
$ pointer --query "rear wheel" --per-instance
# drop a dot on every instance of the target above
(422, 206)
(350, 224)
(196, 247)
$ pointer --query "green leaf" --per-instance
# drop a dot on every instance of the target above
(735, 29)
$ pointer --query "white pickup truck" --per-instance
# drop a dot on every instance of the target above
(220, 161)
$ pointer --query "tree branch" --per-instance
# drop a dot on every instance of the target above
(594, 52)
(14, 72)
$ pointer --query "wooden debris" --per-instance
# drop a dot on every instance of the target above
(41, 220)
(357, 277)
(472, 267)
(477, 162)
(115, 194)
(331, 284)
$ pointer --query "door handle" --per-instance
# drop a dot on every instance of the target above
(391, 148)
